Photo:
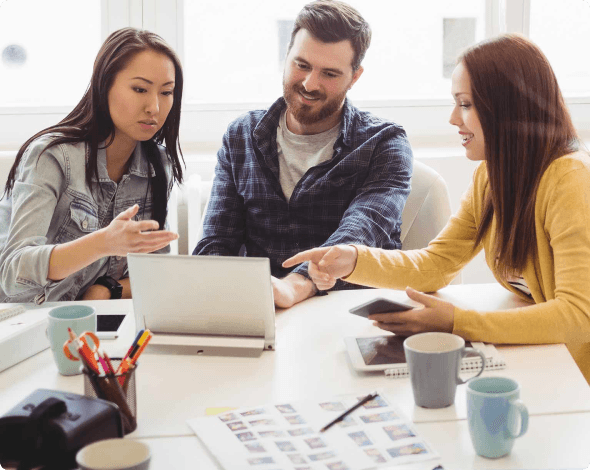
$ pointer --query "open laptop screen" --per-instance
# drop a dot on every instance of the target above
(204, 295)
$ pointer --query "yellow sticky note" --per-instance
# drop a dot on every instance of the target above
(218, 410)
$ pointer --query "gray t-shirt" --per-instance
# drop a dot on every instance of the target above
(298, 153)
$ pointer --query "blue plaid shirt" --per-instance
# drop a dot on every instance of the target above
(355, 197)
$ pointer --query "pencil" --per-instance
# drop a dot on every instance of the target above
(350, 410)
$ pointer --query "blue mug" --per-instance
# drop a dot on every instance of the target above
(493, 411)
(79, 318)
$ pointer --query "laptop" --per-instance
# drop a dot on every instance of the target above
(212, 305)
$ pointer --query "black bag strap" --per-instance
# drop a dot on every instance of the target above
(32, 435)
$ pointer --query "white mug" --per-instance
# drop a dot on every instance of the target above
(114, 454)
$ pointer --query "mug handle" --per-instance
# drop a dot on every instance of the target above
(483, 364)
(524, 417)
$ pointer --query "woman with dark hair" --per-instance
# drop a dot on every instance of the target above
(92, 188)
(528, 207)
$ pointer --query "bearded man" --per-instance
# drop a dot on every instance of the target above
(312, 170)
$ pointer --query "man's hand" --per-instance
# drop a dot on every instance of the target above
(326, 264)
(437, 315)
(291, 290)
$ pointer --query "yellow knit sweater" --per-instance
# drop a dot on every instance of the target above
(558, 277)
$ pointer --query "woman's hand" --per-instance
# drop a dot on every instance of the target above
(326, 264)
(437, 315)
(124, 235)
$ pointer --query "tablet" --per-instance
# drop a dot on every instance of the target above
(385, 352)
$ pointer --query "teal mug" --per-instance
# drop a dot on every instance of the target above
(79, 318)
(493, 411)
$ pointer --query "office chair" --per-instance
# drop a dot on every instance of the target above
(197, 194)
(427, 209)
(6, 162)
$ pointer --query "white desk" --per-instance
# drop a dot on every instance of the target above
(310, 361)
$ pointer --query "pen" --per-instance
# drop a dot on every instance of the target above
(350, 410)
(140, 350)
(109, 363)
(103, 364)
(129, 361)
(139, 335)
(139, 343)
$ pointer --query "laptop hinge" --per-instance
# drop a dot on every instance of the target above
(209, 345)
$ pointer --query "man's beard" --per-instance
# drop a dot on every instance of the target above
(302, 112)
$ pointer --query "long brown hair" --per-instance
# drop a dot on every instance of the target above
(90, 121)
(526, 126)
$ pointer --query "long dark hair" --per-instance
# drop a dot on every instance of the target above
(90, 121)
(526, 126)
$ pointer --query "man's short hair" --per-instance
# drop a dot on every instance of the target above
(335, 21)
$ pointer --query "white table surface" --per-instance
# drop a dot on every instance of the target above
(310, 361)
(552, 442)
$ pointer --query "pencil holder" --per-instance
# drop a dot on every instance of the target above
(119, 389)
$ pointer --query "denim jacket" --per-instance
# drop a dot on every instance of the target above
(51, 204)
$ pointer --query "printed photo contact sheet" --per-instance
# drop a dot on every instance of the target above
(286, 436)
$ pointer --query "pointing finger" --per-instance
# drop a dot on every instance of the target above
(314, 255)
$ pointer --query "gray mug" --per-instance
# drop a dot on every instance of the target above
(434, 363)
(79, 318)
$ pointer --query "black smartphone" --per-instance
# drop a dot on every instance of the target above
(379, 305)
(107, 326)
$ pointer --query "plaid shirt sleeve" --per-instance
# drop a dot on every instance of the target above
(375, 212)
(223, 227)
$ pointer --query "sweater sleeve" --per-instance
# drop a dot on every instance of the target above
(566, 317)
(427, 269)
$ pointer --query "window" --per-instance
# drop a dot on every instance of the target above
(236, 55)
(233, 53)
(562, 31)
(47, 49)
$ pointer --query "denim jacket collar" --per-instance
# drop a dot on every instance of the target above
(138, 166)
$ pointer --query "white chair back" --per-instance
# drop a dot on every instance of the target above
(427, 209)
(6, 162)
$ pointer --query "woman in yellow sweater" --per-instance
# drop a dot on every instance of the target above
(528, 207)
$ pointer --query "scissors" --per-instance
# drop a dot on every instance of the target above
(83, 348)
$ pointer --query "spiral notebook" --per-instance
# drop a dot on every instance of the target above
(386, 353)
(6, 313)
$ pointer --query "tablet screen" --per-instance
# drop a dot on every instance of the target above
(381, 350)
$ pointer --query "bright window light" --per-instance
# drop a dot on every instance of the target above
(47, 49)
(234, 49)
